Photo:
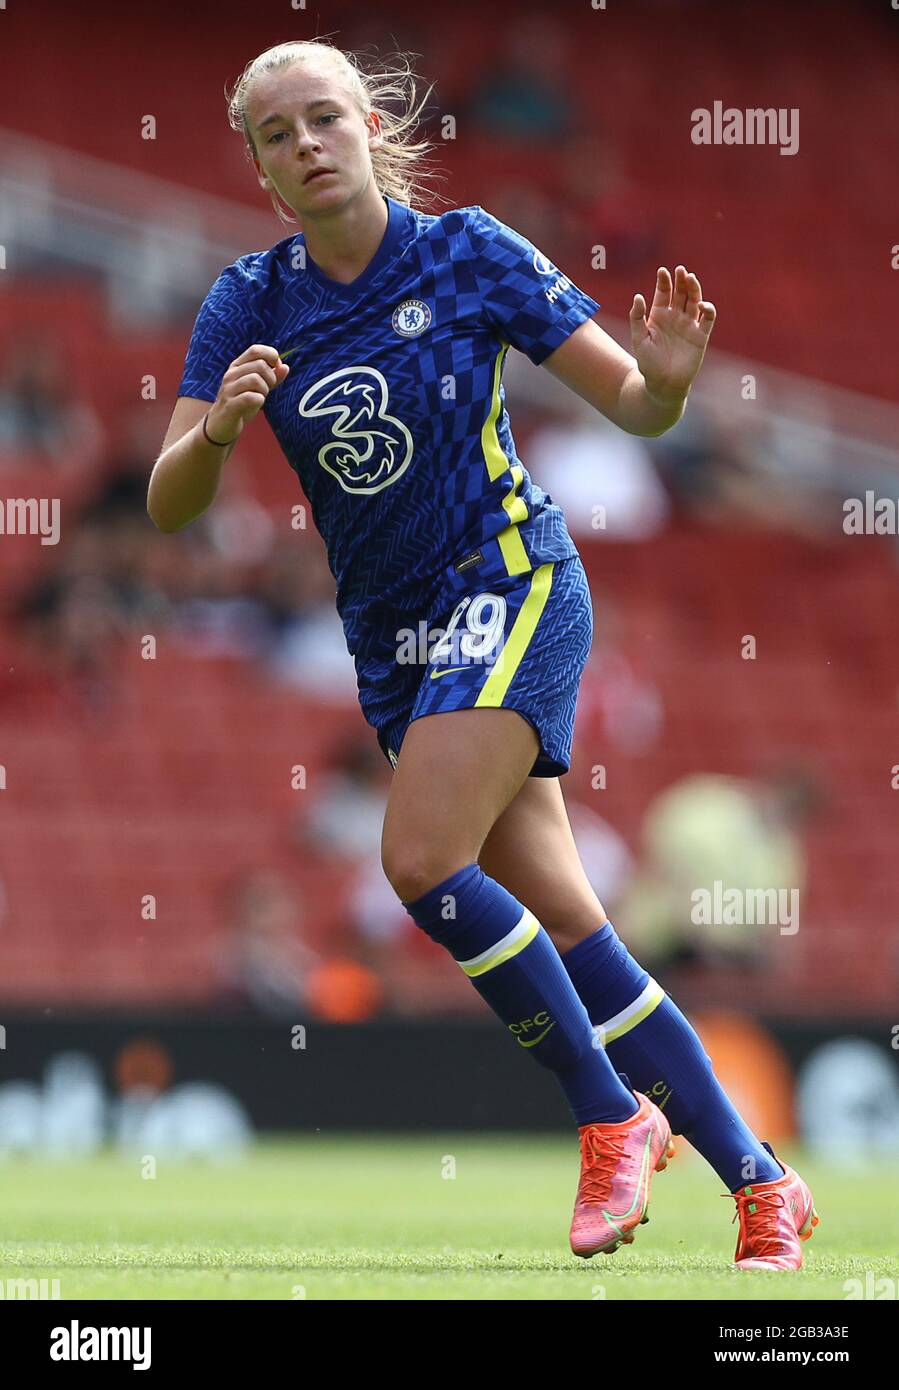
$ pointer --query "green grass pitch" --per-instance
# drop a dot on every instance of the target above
(359, 1217)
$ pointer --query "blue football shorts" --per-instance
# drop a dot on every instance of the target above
(491, 640)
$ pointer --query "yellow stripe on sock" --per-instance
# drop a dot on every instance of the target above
(647, 1000)
(521, 935)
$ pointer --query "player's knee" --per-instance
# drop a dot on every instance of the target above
(412, 869)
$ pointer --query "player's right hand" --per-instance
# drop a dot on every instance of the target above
(244, 389)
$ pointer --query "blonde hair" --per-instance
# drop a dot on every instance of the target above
(398, 164)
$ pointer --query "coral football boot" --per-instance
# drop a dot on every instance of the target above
(775, 1218)
(617, 1164)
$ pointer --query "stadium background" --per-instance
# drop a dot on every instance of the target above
(696, 760)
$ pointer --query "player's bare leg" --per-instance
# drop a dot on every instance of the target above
(531, 851)
(457, 773)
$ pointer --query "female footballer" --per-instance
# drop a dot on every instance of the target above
(374, 343)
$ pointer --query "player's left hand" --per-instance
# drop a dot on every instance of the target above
(669, 343)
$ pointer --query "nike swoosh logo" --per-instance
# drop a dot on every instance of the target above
(641, 1184)
(534, 1041)
(447, 671)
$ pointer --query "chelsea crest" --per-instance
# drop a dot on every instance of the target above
(411, 318)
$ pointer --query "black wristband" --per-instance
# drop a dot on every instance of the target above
(217, 442)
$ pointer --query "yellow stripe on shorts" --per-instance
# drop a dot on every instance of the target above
(494, 689)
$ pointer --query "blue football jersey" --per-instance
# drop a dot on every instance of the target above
(393, 414)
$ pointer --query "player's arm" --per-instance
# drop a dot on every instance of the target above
(186, 475)
(645, 393)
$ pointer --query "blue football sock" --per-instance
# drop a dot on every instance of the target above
(515, 967)
(647, 1037)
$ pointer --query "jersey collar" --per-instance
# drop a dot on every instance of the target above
(396, 216)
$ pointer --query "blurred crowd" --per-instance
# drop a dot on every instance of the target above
(237, 584)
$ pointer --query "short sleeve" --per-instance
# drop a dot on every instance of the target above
(532, 304)
(225, 326)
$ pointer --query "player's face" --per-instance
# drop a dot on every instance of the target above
(302, 120)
